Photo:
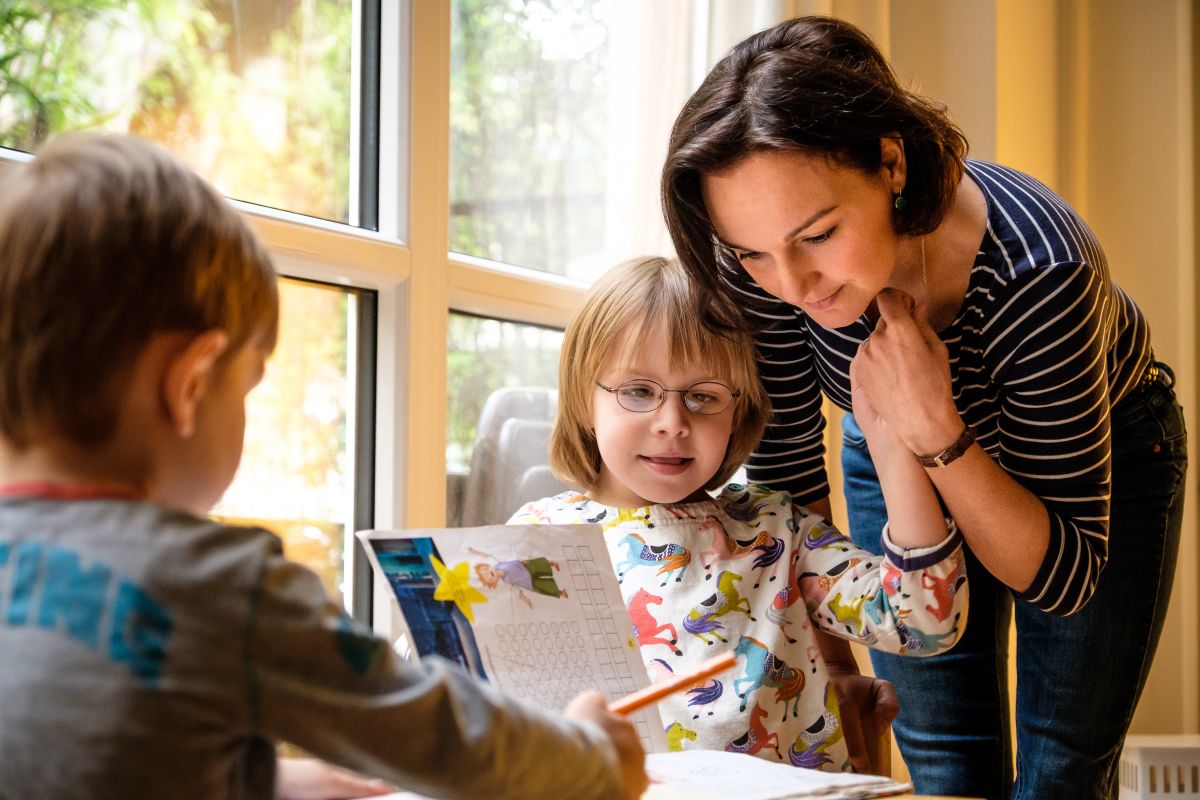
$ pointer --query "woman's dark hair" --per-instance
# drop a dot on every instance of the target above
(819, 86)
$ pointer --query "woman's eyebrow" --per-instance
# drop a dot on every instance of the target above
(803, 226)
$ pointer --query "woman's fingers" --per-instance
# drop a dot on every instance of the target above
(895, 305)
(900, 313)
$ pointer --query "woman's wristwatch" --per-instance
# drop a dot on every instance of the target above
(960, 446)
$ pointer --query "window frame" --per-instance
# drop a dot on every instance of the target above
(415, 280)
(404, 274)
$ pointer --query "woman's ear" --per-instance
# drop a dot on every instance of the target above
(188, 376)
(893, 163)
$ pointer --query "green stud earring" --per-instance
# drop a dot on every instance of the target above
(900, 203)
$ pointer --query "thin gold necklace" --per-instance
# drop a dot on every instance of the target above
(924, 272)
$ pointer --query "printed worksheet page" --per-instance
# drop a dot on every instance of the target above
(533, 609)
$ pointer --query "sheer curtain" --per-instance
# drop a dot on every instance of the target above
(659, 53)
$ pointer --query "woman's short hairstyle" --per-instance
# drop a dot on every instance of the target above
(620, 316)
(104, 241)
(818, 86)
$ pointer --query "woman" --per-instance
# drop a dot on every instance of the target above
(975, 310)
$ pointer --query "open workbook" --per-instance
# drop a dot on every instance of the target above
(536, 610)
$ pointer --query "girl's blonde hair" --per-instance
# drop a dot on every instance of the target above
(621, 312)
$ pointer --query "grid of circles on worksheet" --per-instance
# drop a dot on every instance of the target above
(551, 662)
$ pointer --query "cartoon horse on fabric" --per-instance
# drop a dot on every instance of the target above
(701, 621)
(785, 598)
(645, 627)
(769, 549)
(917, 640)
(763, 669)
(669, 558)
(676, 735)
(704, 696)
(756, 738)
(808, 750)
(944, 590)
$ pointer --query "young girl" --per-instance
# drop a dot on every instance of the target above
(655, 412)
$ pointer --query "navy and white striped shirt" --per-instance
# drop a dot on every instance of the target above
(1043, 345)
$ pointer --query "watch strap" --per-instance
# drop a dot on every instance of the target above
(960, 446)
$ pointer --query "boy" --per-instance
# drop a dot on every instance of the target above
(149, 651)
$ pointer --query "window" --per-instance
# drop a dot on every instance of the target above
(255, 96)
(559, 116)
(560, 112)
(501, 384)
(408, 117)
(299, 466)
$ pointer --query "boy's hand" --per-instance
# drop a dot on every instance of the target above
(631, 758)
(313, 779)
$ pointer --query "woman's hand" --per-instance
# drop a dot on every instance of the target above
(903, 373)
(313, 779)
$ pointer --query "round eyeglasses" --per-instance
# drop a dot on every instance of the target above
(644, 395)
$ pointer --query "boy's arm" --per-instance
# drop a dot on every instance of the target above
(321, 682)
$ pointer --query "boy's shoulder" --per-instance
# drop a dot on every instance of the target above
(153, 546)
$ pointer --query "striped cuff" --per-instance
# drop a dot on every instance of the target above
(909, 559)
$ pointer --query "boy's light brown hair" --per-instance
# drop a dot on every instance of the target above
(619, 315)
(106, 240)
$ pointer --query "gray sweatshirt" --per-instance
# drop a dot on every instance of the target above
(147, 653)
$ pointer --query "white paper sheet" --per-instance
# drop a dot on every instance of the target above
(534, 609)
(713, 775)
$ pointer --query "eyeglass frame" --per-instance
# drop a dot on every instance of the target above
(734, 394)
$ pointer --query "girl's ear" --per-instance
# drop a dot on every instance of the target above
(893, 162)
(189, 376)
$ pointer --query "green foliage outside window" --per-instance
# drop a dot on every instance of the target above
(254, 95)
(528, 130)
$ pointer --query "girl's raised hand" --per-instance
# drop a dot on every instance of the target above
(881, 439)
(904, 369)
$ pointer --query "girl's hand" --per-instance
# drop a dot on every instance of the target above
(313, 779)
(904, 372)
(867, 707)
(882, 441)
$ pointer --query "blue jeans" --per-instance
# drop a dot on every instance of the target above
(1078, 677)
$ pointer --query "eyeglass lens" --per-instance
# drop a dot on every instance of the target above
(700, 398)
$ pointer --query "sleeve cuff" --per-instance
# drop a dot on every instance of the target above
(909, 559)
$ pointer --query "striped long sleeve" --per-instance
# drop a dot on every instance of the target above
(1042, 347)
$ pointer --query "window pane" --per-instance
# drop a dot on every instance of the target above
(502, 389)
(254, 95)
(560, 112)
(296, 477)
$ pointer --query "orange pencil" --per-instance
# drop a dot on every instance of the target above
(652, 694)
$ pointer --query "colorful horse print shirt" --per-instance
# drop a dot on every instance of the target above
(749, 571)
